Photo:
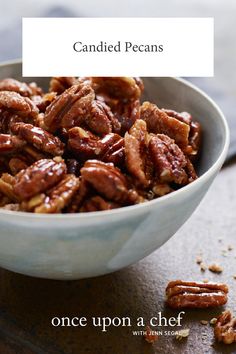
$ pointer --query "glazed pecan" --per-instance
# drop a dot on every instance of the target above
(106, 180)
(70, 108)
(195, 139)
(59, 197)
(21, 106)
(86, 145)
(100, 119)
(60, 84)
(6, 120)
(42, 102)
(10, 143)
(136, 152)
(126, 114)
(14, 85)
(195, 134)
(184, 117)
(17, 164)
(39, 177)
(7, 187)
(113, 149)
(39, 138)
(159, 122)
(125, 88)
(169, 161)
(97, 203)
(181, 294)
(31, 154)
(225, 328)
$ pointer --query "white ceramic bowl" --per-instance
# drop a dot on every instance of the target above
(84, 245)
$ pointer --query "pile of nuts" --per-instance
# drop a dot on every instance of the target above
(89, 145)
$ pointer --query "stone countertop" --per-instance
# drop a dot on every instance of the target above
(27, 305)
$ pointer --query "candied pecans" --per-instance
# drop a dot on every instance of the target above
(183, 294)
(89, 144)
(225, 328)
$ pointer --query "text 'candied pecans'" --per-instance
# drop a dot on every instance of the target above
(90, 144)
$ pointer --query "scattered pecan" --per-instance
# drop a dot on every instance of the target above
(39, 138)
(106, 180)
(15, 103)
(39, 177)
(68, 109)
(225, 328)
(181, 294)
(215, 268)
(159, 122)
(150, 336)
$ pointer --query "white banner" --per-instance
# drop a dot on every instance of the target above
(118, 47)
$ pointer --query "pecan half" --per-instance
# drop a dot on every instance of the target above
(6, 120)
(184, 117)
(7, 187)
(10, 143)
(168, 159)
(225, 328)
(39, 177)
(15, 103)
(181, 294)
(86, 145)
(100, 119)
(136, 152)
(59, 197)
(106, 179)
(70, 108)
(159, 122)
(39, 138)
(14, 85)
(125, 88)
(60, 84)
(195, 133)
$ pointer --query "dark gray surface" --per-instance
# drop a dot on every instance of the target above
(28, 304)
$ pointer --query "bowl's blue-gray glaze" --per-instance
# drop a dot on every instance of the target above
(84, 245)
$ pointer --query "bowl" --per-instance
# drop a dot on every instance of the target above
(85, 245)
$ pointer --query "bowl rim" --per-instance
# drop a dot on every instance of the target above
(148, 204)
